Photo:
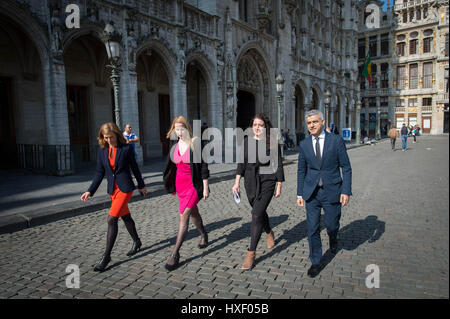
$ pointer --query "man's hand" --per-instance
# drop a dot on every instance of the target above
(300, 201)
(344, 200)
(85, 196)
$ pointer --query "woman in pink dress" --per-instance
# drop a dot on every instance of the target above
(188, 178)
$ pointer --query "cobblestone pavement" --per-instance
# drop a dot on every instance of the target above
(397, 219)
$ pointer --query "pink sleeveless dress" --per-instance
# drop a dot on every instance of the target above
(187, 194)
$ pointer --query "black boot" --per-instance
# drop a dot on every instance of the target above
(101, 266)
(176, 258)
(204, 241)
(135, 248)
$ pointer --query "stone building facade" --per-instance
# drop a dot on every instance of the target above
(375, 38)
(421, 65)
(215, 61)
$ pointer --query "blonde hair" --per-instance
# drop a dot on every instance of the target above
(106, 128)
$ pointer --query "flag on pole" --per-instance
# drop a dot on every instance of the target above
(367, 71)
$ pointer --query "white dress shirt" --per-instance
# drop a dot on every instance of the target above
(321, 143)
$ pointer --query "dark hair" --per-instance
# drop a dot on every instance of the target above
(267, 125)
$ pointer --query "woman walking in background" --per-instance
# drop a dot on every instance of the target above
(260, 187)
(114, 159)
(189, 179)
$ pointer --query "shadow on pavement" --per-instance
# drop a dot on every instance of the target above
(355, 234)
(236, 235)
(171, 241)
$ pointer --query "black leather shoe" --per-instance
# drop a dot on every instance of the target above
(135, 248)
(205, 241)
(176, 259)
(333, 244)
(101, 266)
(314, 270)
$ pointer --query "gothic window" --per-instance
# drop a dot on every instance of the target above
(401, 77)
(413, 76)
(373, 46)
(243, 10)
(373, 84)
(427, 45)
(428, 75)
(384, 76)
(401, 49)
(413, 46)
(361, 48)
(384, 44)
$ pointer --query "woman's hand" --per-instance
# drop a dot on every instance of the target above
(85, 196)
(143, 191)
(277, 191)
(235, 188)
(205, 189)
(205, 193)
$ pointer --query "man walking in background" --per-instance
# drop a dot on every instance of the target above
(131, 137)
(393, 134)
(404, 133)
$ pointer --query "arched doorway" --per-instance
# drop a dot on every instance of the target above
(22, 101)
(315, 100)
(300, 126)
(154, 103)
(87, 86)
(245, 109)
(197, 94)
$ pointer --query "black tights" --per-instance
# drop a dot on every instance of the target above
(183, 226)
(260, 219)
(113, 228)
(260, 222)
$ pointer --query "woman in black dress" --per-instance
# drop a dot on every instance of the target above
(262, 180)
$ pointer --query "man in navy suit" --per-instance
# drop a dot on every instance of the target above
(319, 184)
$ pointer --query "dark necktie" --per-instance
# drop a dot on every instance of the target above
(319, 157)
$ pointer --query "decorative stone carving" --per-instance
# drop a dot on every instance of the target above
(132, 45)
(57, 36)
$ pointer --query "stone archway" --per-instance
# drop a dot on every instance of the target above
(300, 125)
(254, 76)
(22, 89)
(154, 102)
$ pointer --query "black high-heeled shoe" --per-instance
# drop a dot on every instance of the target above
(176, 259)
(205, 238)
(135, 248)
(101, 266)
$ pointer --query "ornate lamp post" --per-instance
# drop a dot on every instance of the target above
(358, 119)
(112, 43)
(327, 102)
(279, 81)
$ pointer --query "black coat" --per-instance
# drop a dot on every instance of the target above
(252, 172)
(121, 175)
(199, 171)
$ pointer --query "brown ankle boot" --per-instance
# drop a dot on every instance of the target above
(249, 260)
(270, 240)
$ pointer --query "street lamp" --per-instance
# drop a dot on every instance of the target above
(279, 81)
(358, 119)
(327, 102)
(112, 44)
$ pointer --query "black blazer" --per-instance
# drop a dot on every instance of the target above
(251, 171)
(121, 174)
(199, 171)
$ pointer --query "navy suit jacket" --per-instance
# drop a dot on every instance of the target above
(123, 162)
(334, 158)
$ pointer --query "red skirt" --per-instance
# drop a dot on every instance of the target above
(119, 204)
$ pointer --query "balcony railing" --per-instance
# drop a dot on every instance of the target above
(442, 98)
(427, 82)
(411, 3)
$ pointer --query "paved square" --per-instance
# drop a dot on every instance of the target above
(397, 219)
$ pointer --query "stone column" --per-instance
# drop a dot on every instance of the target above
(378, 128)
(357, 122)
